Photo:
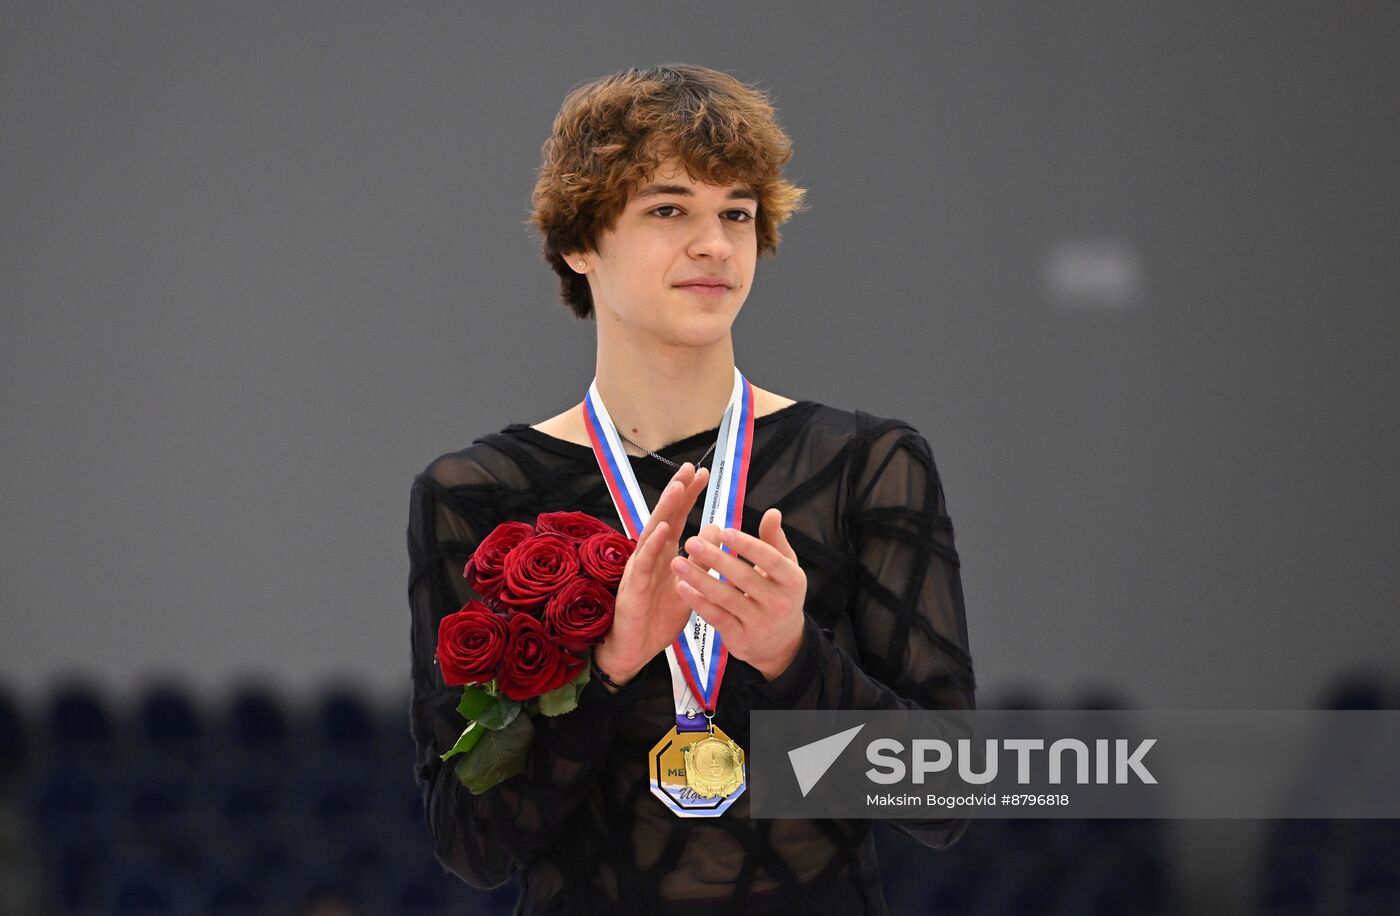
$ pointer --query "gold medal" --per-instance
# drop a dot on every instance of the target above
(713, 766)
(697, 773)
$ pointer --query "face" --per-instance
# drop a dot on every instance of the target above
(674, 230)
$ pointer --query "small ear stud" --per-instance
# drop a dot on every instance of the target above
(580, 265)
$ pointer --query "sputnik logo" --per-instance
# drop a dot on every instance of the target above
(811, 761)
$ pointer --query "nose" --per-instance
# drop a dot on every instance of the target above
(711, 239)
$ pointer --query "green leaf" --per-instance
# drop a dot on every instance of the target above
(559, 701)
(475, 700)
(467, 741)
(497, 756)
(502, 711)
(564, 699)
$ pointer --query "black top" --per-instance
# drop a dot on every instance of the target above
(864, 509)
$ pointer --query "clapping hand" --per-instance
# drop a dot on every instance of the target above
(650, 611)
(759, 610)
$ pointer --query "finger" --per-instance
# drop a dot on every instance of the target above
(678, 507)
(662, 529)
(645, 536)
(693, 489)
(770, 529)
(706, 555)
(760, 553)
(646, 556)
(727, 595)
(716, 616)
(663, 503)
(677, 489)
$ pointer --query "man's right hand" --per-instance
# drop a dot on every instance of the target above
(649, 612)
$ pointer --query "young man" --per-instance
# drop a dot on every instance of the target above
(667, 283)
(659, 191)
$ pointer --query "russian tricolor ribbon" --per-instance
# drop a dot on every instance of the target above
(698, 656)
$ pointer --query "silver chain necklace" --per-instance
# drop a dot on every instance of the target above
(667, 460)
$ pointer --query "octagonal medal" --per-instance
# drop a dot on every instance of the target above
(718, 772)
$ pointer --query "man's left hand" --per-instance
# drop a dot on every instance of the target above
(758, 608)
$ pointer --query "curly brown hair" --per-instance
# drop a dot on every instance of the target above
(613, 133)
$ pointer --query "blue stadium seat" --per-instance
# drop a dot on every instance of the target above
(169, 723)
(79, 722)
(345, 725)
(14, 742)
(257, 723)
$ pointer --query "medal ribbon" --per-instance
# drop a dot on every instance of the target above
(698, 656)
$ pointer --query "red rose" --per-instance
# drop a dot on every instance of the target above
(580, 614)
(470, 644)
(483, 570)
(604, 557)
(537, 568)
(533, 664)
(576, 526)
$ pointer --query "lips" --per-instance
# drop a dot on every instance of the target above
(706, 283)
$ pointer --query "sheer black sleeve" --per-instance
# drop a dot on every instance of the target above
(906, 608)
(485, 838)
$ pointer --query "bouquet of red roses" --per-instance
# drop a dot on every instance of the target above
(549, 590)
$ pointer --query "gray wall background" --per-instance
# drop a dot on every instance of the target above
(1130, 267)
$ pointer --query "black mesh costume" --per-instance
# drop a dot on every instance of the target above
(863, 507)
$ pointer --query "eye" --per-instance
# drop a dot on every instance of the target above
(737, 216)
